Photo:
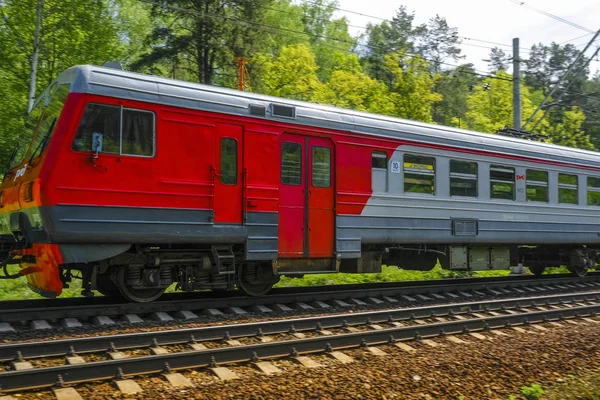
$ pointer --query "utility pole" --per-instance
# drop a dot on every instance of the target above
(241, 72)
(516, 86)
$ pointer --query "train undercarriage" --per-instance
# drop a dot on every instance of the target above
(144, 273)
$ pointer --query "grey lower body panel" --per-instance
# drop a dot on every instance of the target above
(91, 233)
(354, 231)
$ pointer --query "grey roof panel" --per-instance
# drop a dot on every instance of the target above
(148, 88)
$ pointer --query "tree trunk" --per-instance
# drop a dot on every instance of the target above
(35, 56)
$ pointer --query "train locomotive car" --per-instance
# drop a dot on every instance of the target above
(133, 183)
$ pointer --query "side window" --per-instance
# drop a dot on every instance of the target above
(291, 163)
(101, 118)
(321, 167)
(593, 191)
(124, 131)
(537, 185)
(229, 159)
(379, 160)
(502, 182)
(138, 133)
(567, 189)
(419, 174)
(379, 165)
(463, 178)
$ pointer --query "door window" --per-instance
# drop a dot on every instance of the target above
(229, 161)
(291, 163)
(321, 167)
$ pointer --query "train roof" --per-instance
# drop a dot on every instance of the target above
(148, 88)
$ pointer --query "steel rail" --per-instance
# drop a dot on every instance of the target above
(9, 311)
(178, 336)
(44, 377)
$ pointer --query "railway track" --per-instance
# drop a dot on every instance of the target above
(118, 356)
(76, 313)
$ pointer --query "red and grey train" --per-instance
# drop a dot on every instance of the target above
(134, 182)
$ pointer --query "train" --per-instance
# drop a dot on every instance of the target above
(133, 183)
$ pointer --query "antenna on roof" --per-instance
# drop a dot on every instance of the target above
(113, 65)
(521, 134)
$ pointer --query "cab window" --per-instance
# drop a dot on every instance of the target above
(124, 131)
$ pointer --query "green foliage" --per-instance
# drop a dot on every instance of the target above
(72, 32)
(532, 392)
(569, 131)
(411, 87)
(292, 74)
(490, 105)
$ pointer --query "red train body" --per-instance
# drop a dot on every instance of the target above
(140, 182)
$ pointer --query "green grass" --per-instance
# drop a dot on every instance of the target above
(394, 274)
(17, 289)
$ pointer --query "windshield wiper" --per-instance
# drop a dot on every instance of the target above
(8, 167)
(42, 145)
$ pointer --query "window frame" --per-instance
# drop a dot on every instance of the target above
(312, 166)
(300, 183)
(377, 154)
(121, 108)
(593, 190)
(499, 168)
(569, 186)
(417, 172)
(537, 184)
(460, 175)
(221, 160)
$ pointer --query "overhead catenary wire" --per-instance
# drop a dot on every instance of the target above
(290, 32)
(555, 17)
(562, 78)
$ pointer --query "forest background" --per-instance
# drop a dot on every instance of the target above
(297, 50)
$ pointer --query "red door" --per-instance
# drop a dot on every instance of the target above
(306, 198)
(321, 234)
(228, 174)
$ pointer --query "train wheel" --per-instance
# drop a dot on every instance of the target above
(256, 280)
(107, 286)
(580, 271)
(537, 270)
(133, 294)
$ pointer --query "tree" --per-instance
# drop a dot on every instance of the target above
(56, 33)
(292, 74)
(490, 105)
(454, 86)
(412, 87)
(569, 131)
(498, 61)
(439, 42)
(388, 37)
(350, 88)
(205, 37)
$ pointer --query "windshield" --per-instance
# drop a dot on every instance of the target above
(39, 126)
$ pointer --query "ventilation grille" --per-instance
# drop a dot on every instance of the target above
(28, 192)
(464, 227)
(284, 111)
(258, 109)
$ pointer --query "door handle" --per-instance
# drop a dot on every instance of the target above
(250, 204)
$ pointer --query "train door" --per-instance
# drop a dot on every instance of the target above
(306, 198)
(228, 174)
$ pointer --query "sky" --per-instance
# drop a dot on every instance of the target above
(490, 20)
